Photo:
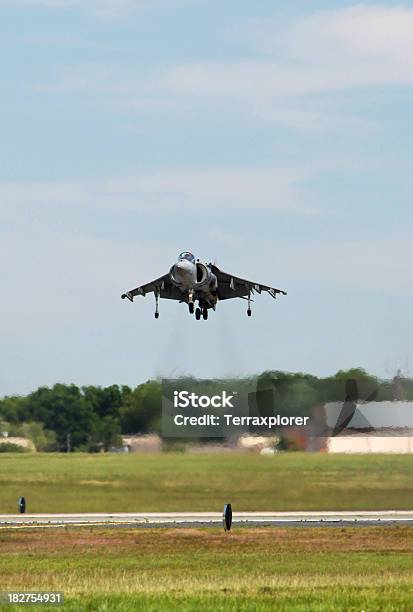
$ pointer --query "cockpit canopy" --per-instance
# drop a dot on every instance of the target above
(188, 256)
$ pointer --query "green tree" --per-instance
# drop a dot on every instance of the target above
(13, 409)
(43, 440)
(355, 381)
(107, 400)
(141, 412)
(64, 410)
(109, 434)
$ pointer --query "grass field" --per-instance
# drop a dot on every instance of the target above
(176, 482)
(206, 569)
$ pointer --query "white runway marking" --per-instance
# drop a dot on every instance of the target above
(182, 519)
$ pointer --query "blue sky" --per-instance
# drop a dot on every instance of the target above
(273, 138)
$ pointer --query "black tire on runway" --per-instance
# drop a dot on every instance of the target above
(22, 505)
(227, 517)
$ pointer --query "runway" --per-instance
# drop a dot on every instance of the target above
(209, 519)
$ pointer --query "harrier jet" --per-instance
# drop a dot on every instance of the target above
(191, 281)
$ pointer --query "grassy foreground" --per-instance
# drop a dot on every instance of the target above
(176, 482)
(206, 569)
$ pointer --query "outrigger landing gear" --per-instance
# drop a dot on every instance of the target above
(249, 312)
(156, 307)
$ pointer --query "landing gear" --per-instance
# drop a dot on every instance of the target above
(191, 303)
(205, 313)
(156, 306)
(249, 312)
(197, 314)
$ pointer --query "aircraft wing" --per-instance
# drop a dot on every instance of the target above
(162, 286)
(230, 286)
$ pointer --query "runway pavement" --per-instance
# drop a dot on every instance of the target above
(197, 519)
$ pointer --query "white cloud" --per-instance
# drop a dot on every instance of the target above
(382, 264)
(312, 56)
(274, 188)
(330, 51)
(359, 32)
(309, 121)
(336, 37)
(63, 280)
(251, 89)
(324, 53)
(103, 9)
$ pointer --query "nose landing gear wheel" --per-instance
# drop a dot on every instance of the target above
(249, 312)
(156, 315)
(205, 313)
(191, 308)
(197, 314)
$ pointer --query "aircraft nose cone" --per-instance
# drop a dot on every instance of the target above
(178, 270)
(182, 267)
(183, 273)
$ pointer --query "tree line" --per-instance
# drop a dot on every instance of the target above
(89, 418)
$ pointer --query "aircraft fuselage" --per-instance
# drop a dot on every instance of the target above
(196, 282)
